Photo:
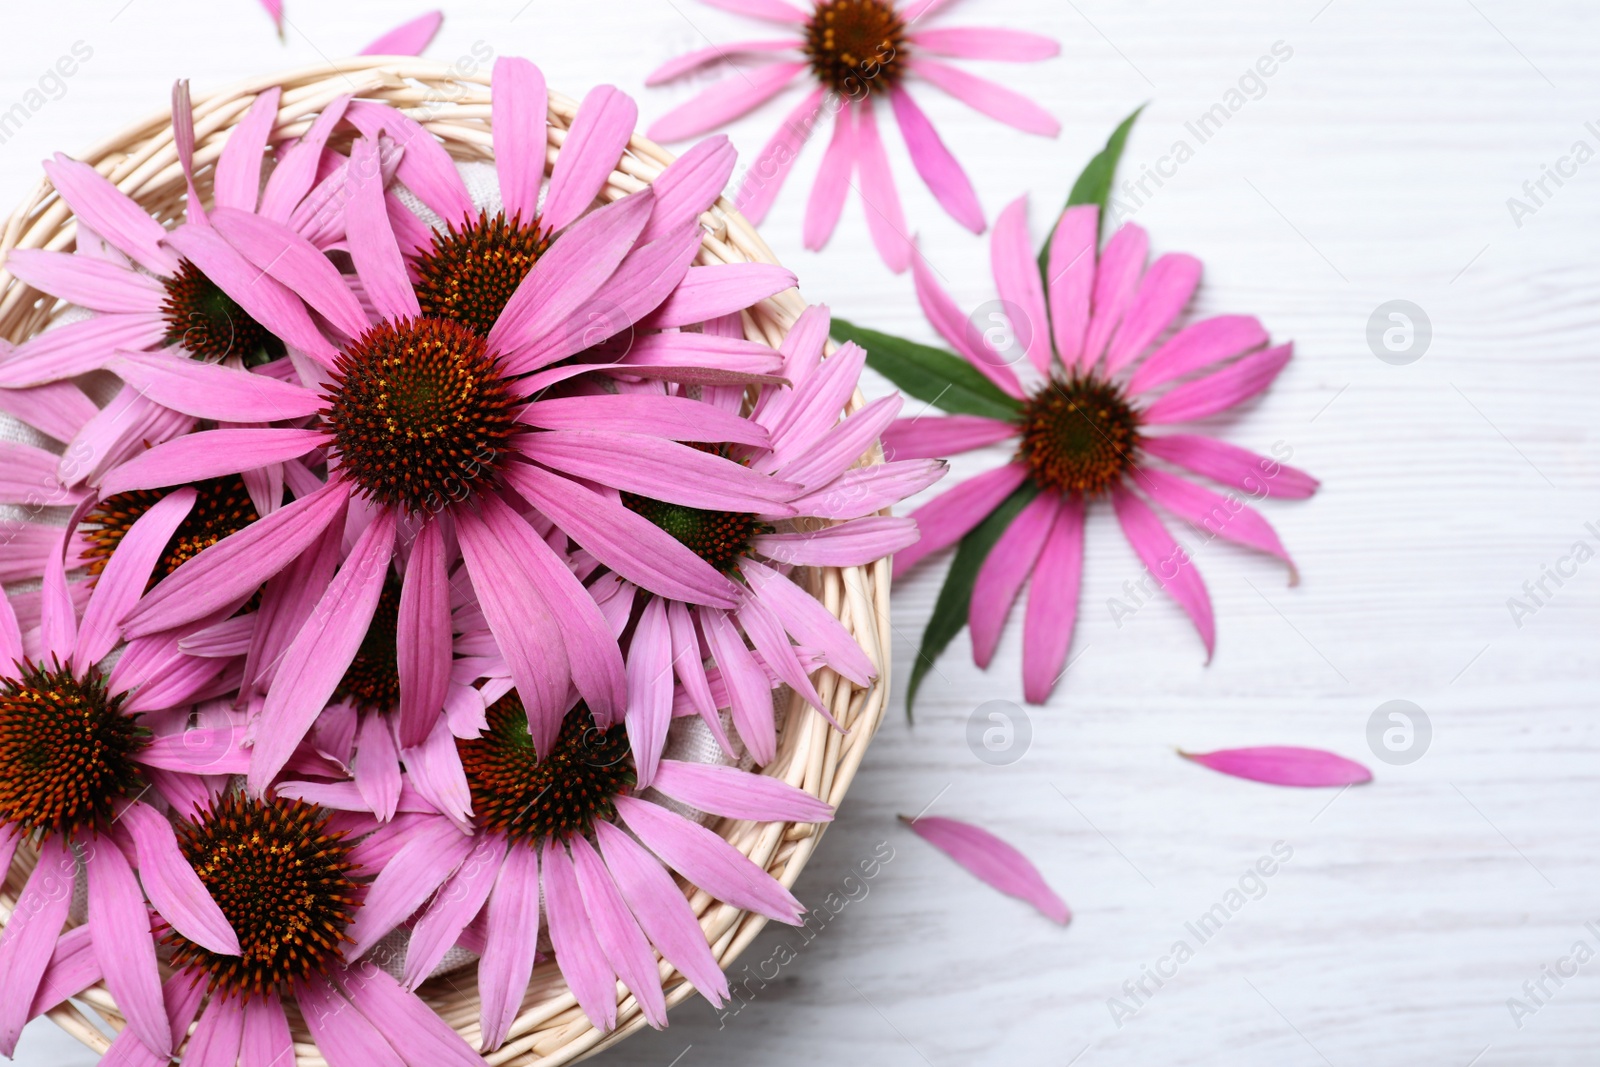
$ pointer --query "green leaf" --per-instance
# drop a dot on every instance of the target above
(955, 598)
(1094, 184)
(933, 375)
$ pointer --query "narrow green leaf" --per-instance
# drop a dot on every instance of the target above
(1094, 184)
(955, 598)
(940, 378)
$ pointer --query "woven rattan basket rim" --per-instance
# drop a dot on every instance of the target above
(143, 162)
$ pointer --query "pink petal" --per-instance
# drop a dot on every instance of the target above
(623, 540)
(599, 135)
(688, 663)
(175, 891)
(1284, 765)
(1016, 278)
(1163, 294)
(725, 101)
(828, 192)
(1230, 465)
(717, 53)
(124, 946)
(1218, 515)
(59, 410)
(597, 669)
(736, 794)
(830, 454)
(217, 1036)
(376, 766)
(342, 1034)
(949, 517)
(422, 636)
(749, 693)
(706, 293)
(708, 861)
(237, 564)
(661, 470)
(766, 173)
(181, 995)
(700, 359)
(237, 180)
(885, 220)
(1116, 278)
(993, 861)
(373, 248)
(322, 651)
(855, 543)
(867, 490)
(1052, 610)
(58, 614)
(649, 689)
(770, 10)
(959, 330)
(1221, 390)
(524, 626)
(519, 103)
(266, 1040)
(408, 38)
(121, 430)
(678, 418)
(411, 1026)
(564, 279)
(293, 260)
(431, 854)
(690, 185)
(209, 454)
(126, 574)
(458, 902)
(1197, 346)
(300, 162)
(111, 213)
(73, 968)
(31, 933)
(1167, 561)
(211, 390)
(79, 347)
(183, 140)
(260, 295)
(661, 911)
(513, 932)
(942, 435)
(990, 98)
(617, 932)
(1072, 275)
(434, 767)
(578, 953)
(87, 282)
(983, 42)
(1003, 572)
(425, 166)
(811, 624)
(944, 177)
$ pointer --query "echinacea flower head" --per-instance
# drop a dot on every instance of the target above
(1105, 374)
(854, 52)
(574, 827)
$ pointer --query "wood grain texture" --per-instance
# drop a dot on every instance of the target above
(1376, 166)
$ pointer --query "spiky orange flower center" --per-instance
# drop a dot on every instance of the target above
(209, 324)
(372, 681)
(283, 881)
(1079, 436)
(471, 271)
(66, 751)
(222, 507)
(566, 793)
(420, 413)
(856, 46)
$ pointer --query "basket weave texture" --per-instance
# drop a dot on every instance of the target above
(143, 162)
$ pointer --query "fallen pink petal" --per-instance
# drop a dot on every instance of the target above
(992, 860)
(1284, 765)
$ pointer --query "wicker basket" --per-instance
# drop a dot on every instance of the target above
(143, 162)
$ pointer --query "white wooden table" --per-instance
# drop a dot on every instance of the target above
(1375, 166)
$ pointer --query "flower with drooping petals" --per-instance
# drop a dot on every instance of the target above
(855, 50)
(1083, 430)
(576, 826)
